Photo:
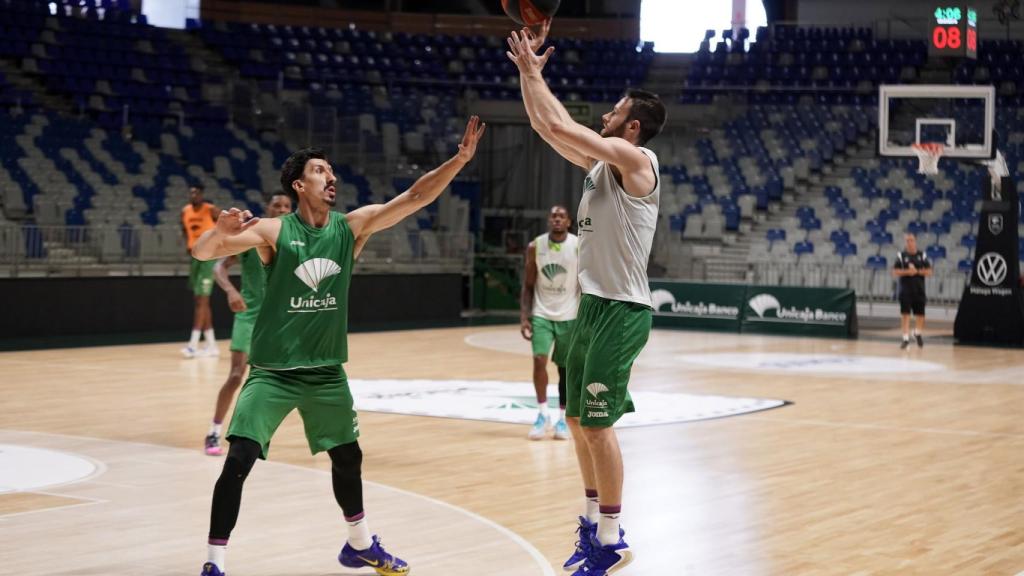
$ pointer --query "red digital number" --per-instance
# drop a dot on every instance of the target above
(972, 39)
(943, 38)
(954, 37)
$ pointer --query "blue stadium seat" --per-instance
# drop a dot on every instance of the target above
(803, 247)
(936, 252)
(877, 262)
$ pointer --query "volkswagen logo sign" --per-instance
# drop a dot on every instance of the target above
(992, 269)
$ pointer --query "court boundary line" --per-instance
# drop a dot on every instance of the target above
(538, 558)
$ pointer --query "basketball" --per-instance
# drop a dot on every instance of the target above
(530, 12)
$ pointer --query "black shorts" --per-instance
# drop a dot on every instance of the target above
(913, 303)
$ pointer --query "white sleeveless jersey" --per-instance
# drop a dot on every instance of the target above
(616, 232)
(556, 294)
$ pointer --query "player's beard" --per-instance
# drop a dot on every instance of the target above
(616, 132)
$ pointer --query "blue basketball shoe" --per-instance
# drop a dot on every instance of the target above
(373, 557)
(540, 428)
(604, 560)
(210, 569)
(585, 530)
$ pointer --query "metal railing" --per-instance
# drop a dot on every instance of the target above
(945, 286)
(31, 250)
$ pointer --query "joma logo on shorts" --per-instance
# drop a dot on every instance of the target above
(597, 414)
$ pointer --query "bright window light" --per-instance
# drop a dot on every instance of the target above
(679, 25)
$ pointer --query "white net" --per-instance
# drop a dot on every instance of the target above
(928, 155)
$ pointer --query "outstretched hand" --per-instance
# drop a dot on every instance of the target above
(474, 131)
(537, 40)
(523, 45)
(233, 222)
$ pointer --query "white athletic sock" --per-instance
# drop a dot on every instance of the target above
(592, 509)
(608, 528)
(561, 414)
(193, 341)
(542, 407)
(906, 336)
(211, 341)
(359, 532)
(214, 428)
(215, 554)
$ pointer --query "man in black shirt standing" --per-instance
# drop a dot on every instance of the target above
(912, 267)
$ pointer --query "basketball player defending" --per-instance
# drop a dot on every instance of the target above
(300, 340)
(616, 220)
(547, 309)
(246, 306)
(912, 267)
(197, 217)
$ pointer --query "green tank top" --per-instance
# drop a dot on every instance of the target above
(303, 321)
(254, 281)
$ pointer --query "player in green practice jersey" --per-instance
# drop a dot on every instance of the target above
(246, 306)
(299, 343)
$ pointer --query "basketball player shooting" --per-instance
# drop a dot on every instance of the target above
(616, 220)
(297, 358)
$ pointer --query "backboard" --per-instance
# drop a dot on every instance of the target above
(961, 118)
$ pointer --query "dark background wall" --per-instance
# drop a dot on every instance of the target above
(61, 307)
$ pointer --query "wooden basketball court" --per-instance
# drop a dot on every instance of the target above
(885, 462)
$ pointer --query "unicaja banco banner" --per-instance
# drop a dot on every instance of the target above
(755, 309)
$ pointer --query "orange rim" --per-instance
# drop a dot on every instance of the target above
(932, 148)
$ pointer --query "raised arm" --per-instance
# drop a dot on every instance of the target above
(534, 43)
(220, 274)
(236, 231)
(376, 217)
(549, 117)
(526, 295)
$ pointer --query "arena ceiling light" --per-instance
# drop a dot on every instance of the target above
(679, 25)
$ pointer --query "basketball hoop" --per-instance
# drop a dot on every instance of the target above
(928, 154)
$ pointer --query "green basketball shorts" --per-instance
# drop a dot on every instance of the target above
(547, 332)
(607, 338)
(321, 395)
(200, 277)
(241, 330)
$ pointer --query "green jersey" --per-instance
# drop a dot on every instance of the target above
(254, 280)
(303, 320)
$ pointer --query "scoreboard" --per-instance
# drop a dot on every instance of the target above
(954, 32)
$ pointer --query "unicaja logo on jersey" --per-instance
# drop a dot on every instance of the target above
(588, 184)
(312, 273)
(553, 271)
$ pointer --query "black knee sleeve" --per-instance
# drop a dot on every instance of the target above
(561, 386)
(347, 477)
(227, 494)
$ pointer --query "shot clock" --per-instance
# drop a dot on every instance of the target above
(954, 32)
